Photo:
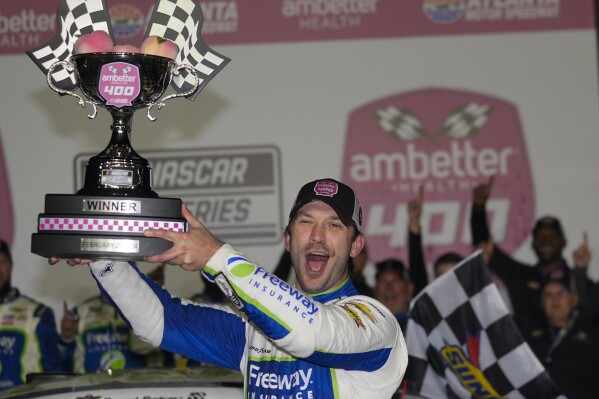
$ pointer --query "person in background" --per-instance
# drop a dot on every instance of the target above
(319, 339)
(446, 262)
(394, 289)
(567, 346)
(395, 284)
(29, 342)
(95, 338)
(356, 269)
(521, 283)
(416, 252)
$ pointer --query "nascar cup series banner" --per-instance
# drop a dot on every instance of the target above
(392, 97)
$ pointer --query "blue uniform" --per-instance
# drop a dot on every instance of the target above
(105, 341)
(287, 344)
(28, 339)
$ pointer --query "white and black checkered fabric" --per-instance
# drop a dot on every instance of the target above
(463, 343)
(75, 18)
(181, 22)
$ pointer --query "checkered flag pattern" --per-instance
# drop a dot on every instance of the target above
(463, 343)
(466, 120)
(66, 224)
(75, 18)
(400, 123)
(181, 22)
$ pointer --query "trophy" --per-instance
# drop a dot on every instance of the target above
(106, 218)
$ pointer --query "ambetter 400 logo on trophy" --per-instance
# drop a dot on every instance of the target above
(106, 218)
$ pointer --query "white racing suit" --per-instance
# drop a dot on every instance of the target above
(287, 345)
(29, 342)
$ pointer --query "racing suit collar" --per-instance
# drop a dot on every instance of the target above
(344, 290)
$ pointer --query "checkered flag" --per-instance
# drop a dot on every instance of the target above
(400, 123)
(467, 120)
(181, 22)
(463, 343)
(75, 18)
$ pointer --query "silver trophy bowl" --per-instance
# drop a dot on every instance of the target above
(107, 216)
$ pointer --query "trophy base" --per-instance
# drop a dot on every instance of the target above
(104, 227)
(64, 246)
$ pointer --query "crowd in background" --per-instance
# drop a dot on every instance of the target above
(91, 337)
(553, 302)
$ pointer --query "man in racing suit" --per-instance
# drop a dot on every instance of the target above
(28, 337)
(95, 338)
(102, 340)
(319, 340)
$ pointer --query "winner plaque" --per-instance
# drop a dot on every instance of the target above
(106, 218)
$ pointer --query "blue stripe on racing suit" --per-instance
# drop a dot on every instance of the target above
(333, 345)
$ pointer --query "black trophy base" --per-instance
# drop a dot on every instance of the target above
(65, 246)
(104, 227)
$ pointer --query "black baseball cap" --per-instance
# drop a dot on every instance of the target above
(562, 278)
(394, 265)
(550, 222)
(337, 195)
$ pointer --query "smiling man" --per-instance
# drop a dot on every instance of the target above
(520, 283)
(318, 340)
(394, 288)
(566, 344)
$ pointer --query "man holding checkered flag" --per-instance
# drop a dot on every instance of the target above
(463, 343)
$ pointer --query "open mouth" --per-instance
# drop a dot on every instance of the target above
(316, 262)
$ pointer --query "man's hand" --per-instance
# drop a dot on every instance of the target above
(582, 254)
(191, 250)
(71, 262)
(69, 326)
(482, 192)
(415, 211)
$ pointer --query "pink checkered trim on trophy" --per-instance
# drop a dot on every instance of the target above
(116, 225)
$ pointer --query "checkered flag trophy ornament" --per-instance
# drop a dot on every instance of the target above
(107, 216)
(463, 343)
(181, 22)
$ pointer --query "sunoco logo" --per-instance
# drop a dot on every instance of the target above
(234, 191)
(445, 142)
(467, 369)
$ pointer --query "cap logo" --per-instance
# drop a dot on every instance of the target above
(326, 188)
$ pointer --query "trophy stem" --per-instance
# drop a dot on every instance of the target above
(122, 119)
(119, 170)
